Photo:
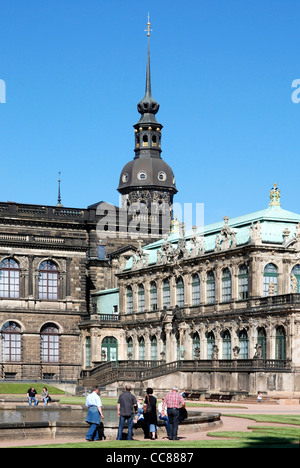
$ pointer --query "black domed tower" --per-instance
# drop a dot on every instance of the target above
(148, 180)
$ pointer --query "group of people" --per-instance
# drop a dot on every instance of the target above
(33, 399)
(142, 413)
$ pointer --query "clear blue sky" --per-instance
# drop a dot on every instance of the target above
(221, 70)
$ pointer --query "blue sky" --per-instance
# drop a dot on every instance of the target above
(222, 72)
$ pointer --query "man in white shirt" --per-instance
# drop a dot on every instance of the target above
(94, 404)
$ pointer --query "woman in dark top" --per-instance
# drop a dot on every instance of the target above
(151, 417)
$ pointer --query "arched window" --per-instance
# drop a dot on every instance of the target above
(153, 343)
(141, 349)
(243, 342)
(179, 292)
(226, 285)
(210, 345)
(243, 282)
(9, 279)
(88, 352)
(153, 296)
(270, 276)
(210, 288)
(280, 343)
(166, 294)
(195, 290)
(226, 345)
(141, 298)
(129, 300)
(295, 279)
(50, 343)
(109, 349)
(130, 348)
(196, 346)
(11, 342)
(48, 281)
(145, 140)
(262, 342)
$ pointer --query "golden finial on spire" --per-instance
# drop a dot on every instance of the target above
(148, 30)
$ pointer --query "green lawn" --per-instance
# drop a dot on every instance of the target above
(21, 389)
(260, 437)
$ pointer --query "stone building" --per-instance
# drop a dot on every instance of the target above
(214, 310)
(53, 258)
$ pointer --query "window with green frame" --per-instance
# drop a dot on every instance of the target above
(210, 288)
(226, 345)
(196, 346)
(270, 276)
(166, 293)
(195, 290)
(262, 342)
(141, 349)
(179, 292)
(129, 300)
(226, 285)
(243, 344)
(141, 298)
(243, 282)
(153, 296)
(280, 343)
(210, 344)
(153, 343)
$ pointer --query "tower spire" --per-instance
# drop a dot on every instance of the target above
(59, 204)
(148, 107)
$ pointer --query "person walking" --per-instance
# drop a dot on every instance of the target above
(127, 406)
(174, 401)
(95, 413)
(150, 414)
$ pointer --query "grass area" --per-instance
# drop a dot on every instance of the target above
(21, 389)
(260, 437)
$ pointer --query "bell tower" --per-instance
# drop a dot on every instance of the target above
(147, 182)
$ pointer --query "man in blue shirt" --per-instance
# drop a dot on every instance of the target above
(94, 404)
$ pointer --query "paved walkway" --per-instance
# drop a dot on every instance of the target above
(229, 423)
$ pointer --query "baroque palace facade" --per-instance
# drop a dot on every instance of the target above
(84, 299)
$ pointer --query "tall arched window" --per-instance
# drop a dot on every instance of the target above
(196, 346)
(195, 290)
(210, 345)
(88, 352)
(243, 282)
(270, 276)
(141, 349)
(166, 294)
(50, 343)
(179, 292)
(129, 300)
(210, 288)
(226, 345)
(141, 298)
(295, 278)
(9, 279)
(262, 342)
(280, 343)
(226, 285)
(130, 348)
(48, 281)
(153, 343)
(243, 342)
(11, 342)
(153, 296)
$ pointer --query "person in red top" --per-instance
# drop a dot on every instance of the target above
(174, 401)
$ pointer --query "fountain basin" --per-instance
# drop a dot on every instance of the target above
(69, 422)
